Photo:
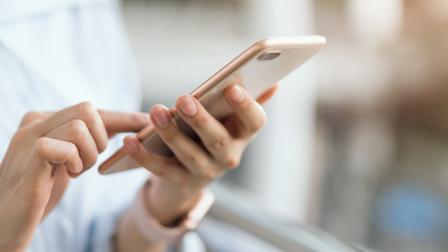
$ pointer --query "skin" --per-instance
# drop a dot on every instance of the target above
(45, 152)
(49, 149)
(179, 180)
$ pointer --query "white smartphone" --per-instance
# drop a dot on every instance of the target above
(256, 69)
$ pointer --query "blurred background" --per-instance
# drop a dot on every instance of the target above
(356, 143)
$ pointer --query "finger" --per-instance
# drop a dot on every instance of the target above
(76, 132)
(49, 153)
(62, 178)
(189, 153)
(116, 122)
(160, 166)
(267, 95)
(33, 117)
(212, 133)
(83, 111)
(247, 110)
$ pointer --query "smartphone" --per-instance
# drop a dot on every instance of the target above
(256, 69)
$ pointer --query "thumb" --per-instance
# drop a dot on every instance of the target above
(117, 122)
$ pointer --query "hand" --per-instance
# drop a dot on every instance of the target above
(46, 150)
(180, 179)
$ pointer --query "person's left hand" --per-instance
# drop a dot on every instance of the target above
(195, 164)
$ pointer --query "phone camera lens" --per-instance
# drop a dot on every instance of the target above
(269, 55)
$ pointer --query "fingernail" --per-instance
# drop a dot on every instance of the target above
(188, 106)
(236, 94)
(131, 145)
(160, 114)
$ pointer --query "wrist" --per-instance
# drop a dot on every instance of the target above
(148, 229)
(169, 202)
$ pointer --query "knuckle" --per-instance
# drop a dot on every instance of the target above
(85, 107)
(87, 110)
(191, 158)
(200, 121)
(42, 146)
(73, 150)
(219, 143)
(232, 161)
(209, 174)
(78, 128)
(169, 138)
(258, 123)
(32, 115)
(91, 160)
(195, 160)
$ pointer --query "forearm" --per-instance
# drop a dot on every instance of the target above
(129, 237)
(166, 205)
(168, 202)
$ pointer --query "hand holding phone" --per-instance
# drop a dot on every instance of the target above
(196, 161)
(255, 71)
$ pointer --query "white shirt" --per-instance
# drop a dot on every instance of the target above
(53, 54)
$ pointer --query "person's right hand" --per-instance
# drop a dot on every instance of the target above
(48, 149)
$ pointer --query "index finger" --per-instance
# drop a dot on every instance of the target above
(102, 124)
(33, 117)
(116, 122)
